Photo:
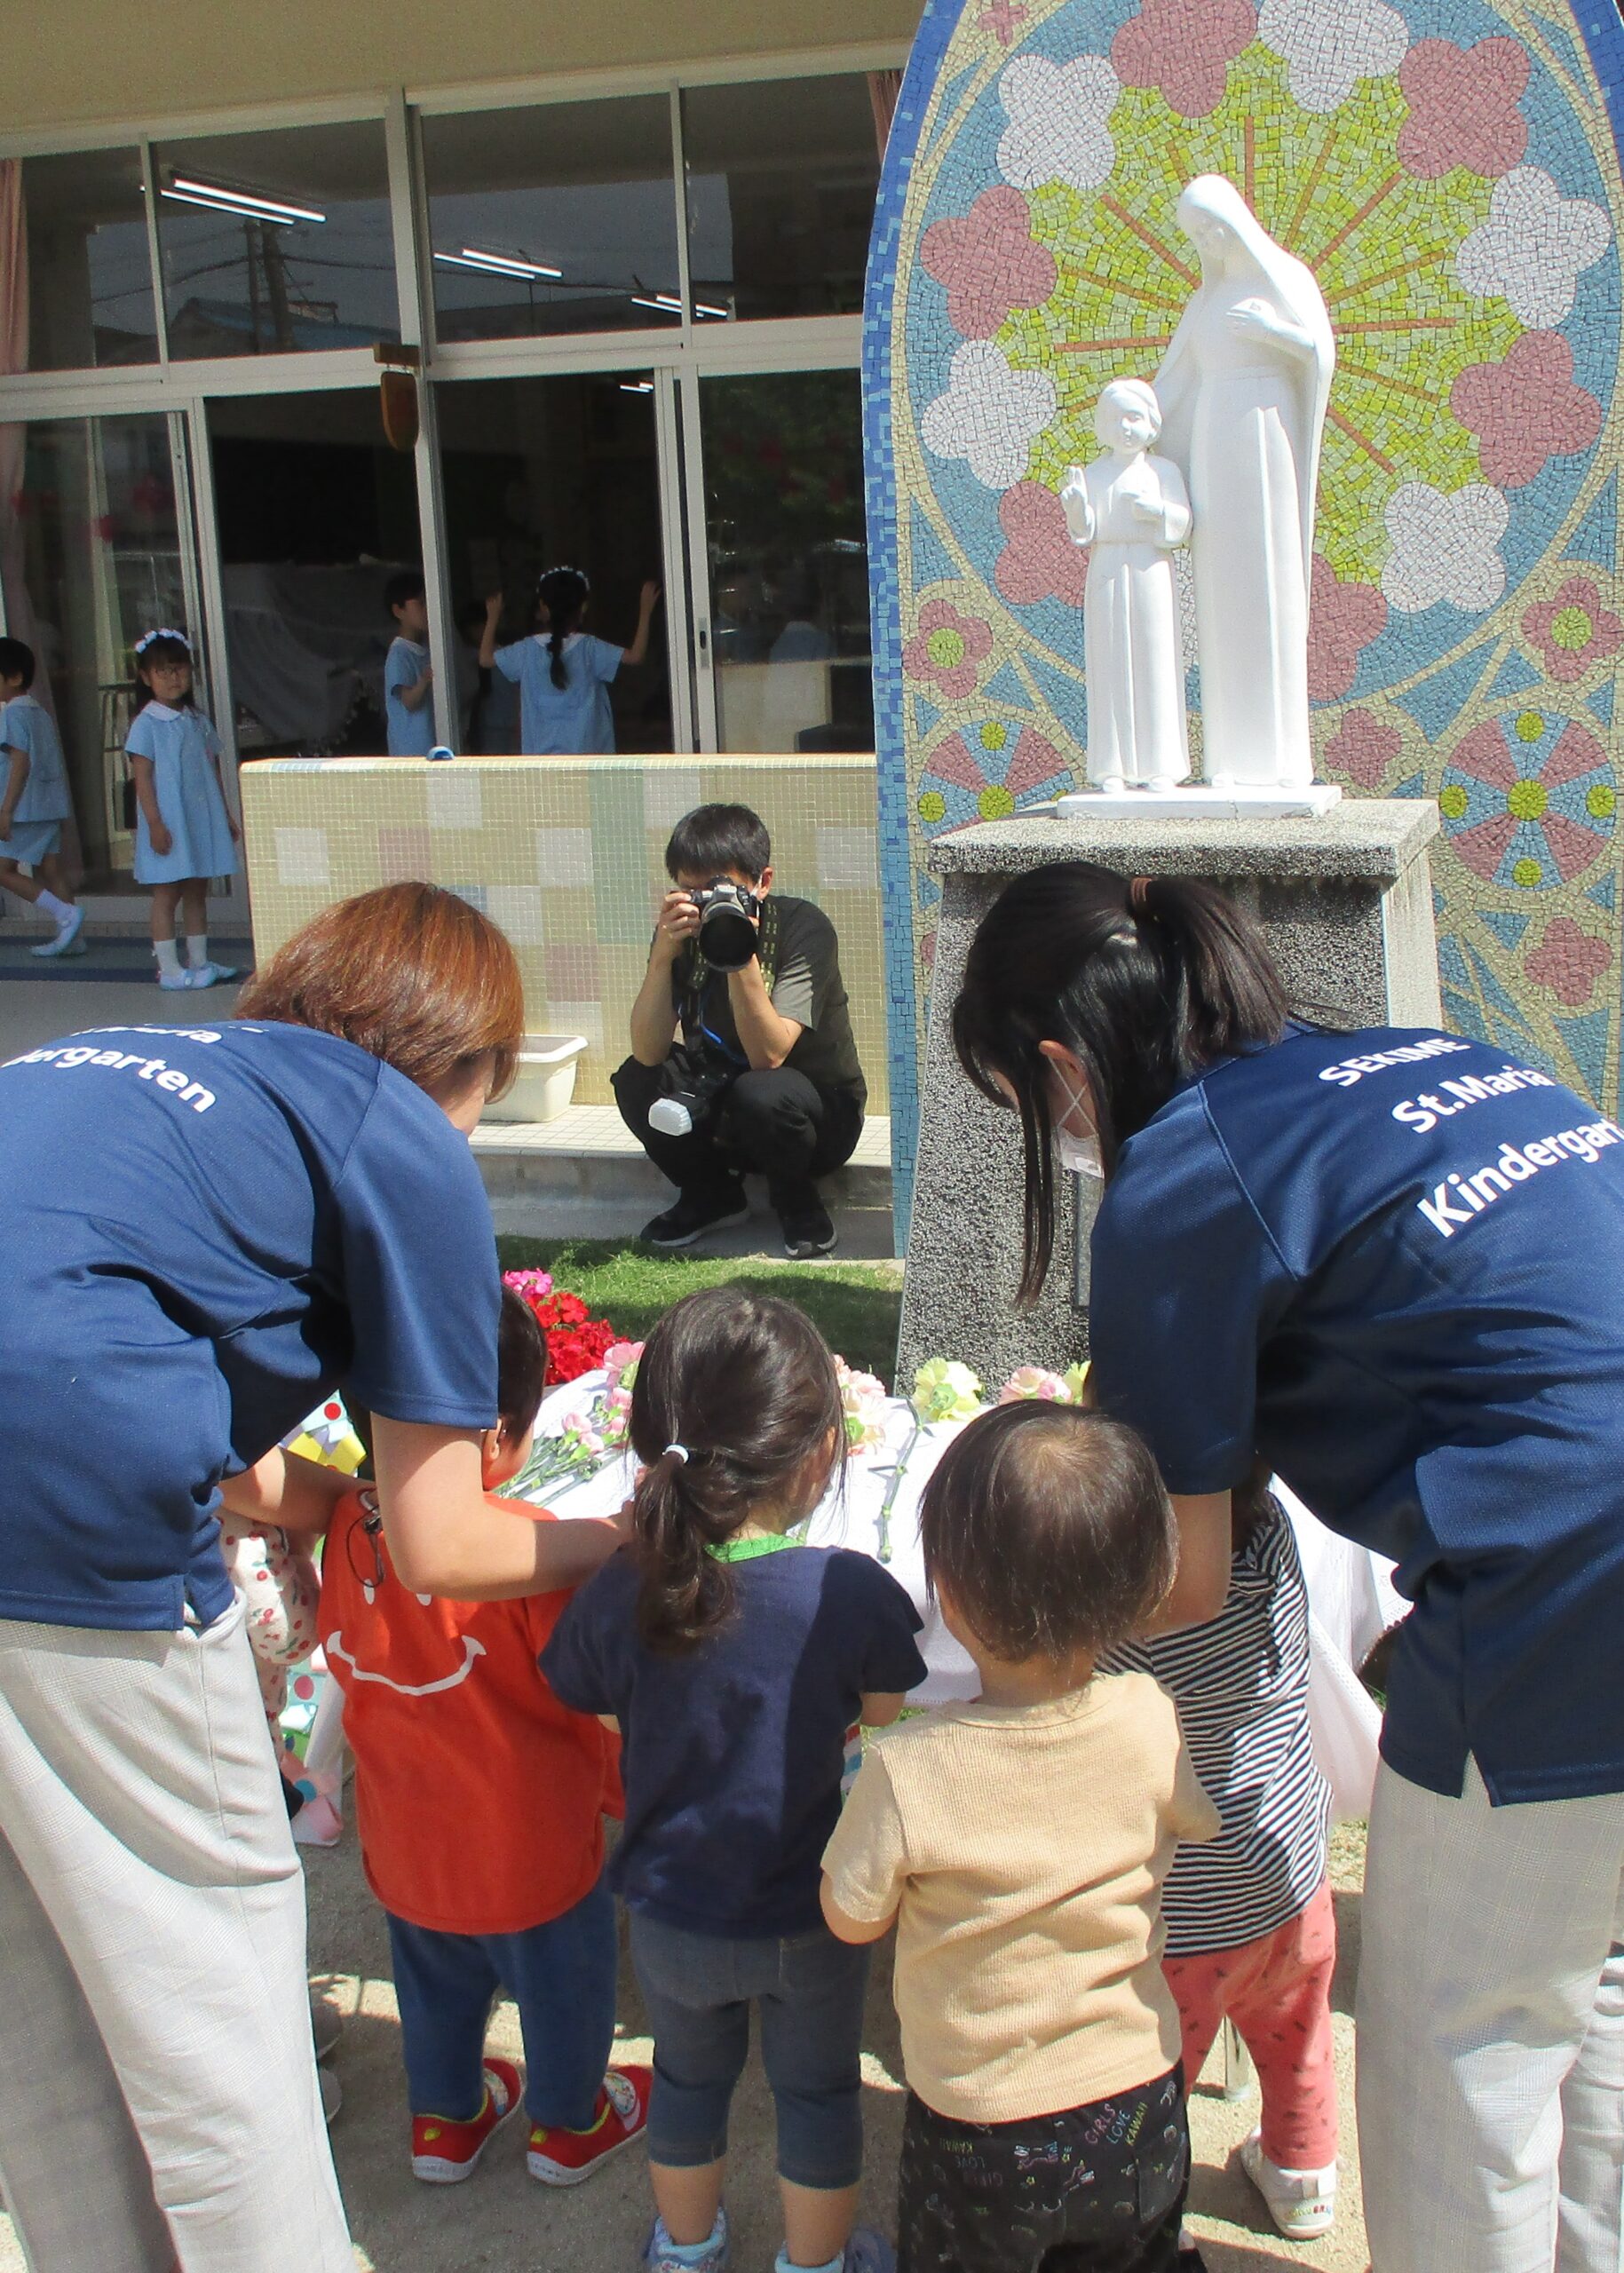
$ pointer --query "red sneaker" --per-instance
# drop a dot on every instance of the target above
(561, 2158)
(444, 2152)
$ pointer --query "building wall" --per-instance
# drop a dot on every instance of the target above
(568, 857)
(84, 64)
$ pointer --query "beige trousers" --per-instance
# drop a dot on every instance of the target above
(1491, 2033)
(159, 2106)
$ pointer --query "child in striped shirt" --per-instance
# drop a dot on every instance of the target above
(1251, 1933)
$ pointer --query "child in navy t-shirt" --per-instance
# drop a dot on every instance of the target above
(734, 1661)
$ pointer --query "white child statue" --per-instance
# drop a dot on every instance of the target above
(1133, 510)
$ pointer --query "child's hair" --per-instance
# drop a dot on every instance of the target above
(1048, 1527)
(17, 662)
(563, 593)
(406, 584)
(735, 1395)
(521, 1366)
(164, 647)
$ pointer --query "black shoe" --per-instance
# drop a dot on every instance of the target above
(808, 1230)
(694, 1214)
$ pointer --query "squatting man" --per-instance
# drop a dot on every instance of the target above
(764, 1077)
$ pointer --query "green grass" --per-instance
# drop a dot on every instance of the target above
(858, 1306)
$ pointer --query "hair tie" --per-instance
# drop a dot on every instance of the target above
(163, 632)
(680, 1452)
(1138, 895)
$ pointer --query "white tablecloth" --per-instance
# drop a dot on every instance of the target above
(1352, 1599)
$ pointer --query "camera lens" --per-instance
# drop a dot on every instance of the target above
(728, 937)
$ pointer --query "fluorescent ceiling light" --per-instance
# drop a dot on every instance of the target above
(245, 204)
(497, 264)
(636, 387)
(668, 304)
(704, 308)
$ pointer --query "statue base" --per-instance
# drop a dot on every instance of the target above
(1345, 901)
(1201, 801)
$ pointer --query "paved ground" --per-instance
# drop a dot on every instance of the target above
(111, 984)
(500, 2219)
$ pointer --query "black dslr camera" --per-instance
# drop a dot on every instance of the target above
(728, 937)
(693, 1084)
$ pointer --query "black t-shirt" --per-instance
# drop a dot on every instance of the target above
(800, 958)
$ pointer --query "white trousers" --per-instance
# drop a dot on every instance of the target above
(158, 2105)
(1491, 2033)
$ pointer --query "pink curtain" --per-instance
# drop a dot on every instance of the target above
(883, 89)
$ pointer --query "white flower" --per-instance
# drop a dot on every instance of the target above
(1533, 247)
(1329, 46)
(1444, 547)
(1057, 114)
(989, 415)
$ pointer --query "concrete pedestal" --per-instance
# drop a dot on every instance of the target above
(1346, 900)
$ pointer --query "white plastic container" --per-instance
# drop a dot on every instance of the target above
(545, 1081)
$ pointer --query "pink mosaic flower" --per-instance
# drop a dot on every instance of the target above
(1039, 561)
(1344, 619)
(1572, 630)
(989, 262)
(1463, 108)
(1185, 48)
(1525, 409)
(948, 648)
(1568, 960)
(1363, 748)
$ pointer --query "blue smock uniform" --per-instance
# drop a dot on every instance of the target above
(411, 732)
(574, 720)
(45, 803)
(182, 747)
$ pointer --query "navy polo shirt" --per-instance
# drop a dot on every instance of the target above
(202, 1231)
(1393, 1264)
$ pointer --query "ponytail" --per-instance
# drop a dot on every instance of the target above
(1148, 980)
(735, 1413)
(563, 592)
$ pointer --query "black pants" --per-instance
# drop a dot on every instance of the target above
(1096, 2190)
(778, 1125)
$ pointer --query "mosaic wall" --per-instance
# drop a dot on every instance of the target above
(1449, 170)
(569, 858)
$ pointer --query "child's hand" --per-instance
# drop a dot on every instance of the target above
(162, 841)
(492, 606)
(648, 598)
(426, 677)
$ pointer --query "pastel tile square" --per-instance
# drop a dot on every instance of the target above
(577, 1018)
(302, 856)
(564, 856)
(571, 972)
(846, 857)
(519, 909)
(455, 798)
(404, 856)
(670, 791)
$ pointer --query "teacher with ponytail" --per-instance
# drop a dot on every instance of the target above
(1392, 1263)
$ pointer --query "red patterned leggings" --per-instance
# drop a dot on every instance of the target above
(1278, 1993)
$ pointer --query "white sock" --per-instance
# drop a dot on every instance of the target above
(58, 910)
(168, 958)
(197, 949)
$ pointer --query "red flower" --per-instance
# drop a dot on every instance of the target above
(1185, 48)
(1463, 108)
(1572, 630)
(948, 648)
(989, 262)
(1525, 409)
(576, 1341)
(1568, 960)
(1342, 620)
(1040, 562)
(1363, 748)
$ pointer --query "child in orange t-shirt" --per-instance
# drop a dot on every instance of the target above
(480, 1801)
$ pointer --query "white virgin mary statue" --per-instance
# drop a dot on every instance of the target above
(1243, 392)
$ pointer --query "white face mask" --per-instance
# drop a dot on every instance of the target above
(1077, 1155)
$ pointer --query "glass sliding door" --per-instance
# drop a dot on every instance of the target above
(96, 547)
(788, 559)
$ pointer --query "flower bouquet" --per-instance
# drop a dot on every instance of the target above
(576, 1343)
(944, 1390)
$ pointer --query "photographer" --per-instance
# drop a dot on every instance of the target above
(765, 1077)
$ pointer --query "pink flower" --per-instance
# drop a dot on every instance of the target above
(620, 1359)
(989, 262)
(1363, 748)
(1463, 108)
(1039, 562)
(1568, 960)
(1572, 630)
(1028, 1383)
(1185, 48)
(531, 1285)
(1525, 409)
(948, 648)
(1344, 619)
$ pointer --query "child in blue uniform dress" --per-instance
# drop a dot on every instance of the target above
(35, 801)
(563, 673)
(409, 676)
(183, 830)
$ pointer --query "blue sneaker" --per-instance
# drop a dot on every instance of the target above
(661, 2254)
(867, 2252)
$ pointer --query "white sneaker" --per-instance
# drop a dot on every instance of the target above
(176, 982)
(67, 931)
(1301, 2203)
(218, 973)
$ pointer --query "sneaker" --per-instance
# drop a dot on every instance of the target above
(660, 2251)
(220, 974)
(867, 2252)
(808, 1230)
(694, 1214)
(561, 2158)
(180, 982)
(67, 932)
(443, 2152)
(1301, 2203)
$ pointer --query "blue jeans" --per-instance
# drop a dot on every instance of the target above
(698, 1989)
(561, 1976)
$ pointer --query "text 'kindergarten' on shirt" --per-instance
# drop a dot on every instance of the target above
(70, 1057)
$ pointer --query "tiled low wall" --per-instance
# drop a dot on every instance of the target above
(567, 856)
